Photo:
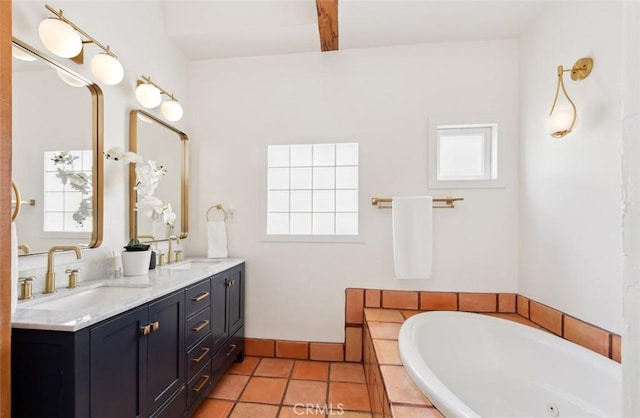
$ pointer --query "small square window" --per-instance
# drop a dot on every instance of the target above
(464, 156)
(464, 153)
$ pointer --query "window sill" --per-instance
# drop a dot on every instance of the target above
(315, 239)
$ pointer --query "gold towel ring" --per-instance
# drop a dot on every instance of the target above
(219, 207)
(16, 210)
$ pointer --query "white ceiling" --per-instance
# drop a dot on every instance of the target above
(214, 29)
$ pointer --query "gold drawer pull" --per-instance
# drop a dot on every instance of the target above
(231, 348)
(205, 379)
(202, 325)
(145, 330)
(200, 297)
(198, 359)
(155, 326)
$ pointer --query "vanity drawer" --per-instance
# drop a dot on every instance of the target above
(198, 356)
(198, 326)
(200, 385)
(198, 297)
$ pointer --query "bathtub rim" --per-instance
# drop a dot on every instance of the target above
(431, 386)
(444, 399)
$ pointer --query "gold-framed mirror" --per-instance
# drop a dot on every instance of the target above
(57, 132)
(155, 140)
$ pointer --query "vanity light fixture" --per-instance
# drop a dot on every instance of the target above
(563, 120)
(62, 37)
(149, 95)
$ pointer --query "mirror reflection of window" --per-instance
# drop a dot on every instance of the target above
(68, 191)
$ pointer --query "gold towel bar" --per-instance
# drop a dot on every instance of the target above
(387, 202)
(219, 207)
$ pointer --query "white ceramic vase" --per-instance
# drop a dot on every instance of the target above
(135, 263)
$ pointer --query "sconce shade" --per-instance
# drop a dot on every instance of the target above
(561, 122)
(107, 69)
(148, 95)
(172, 110)
(70, 80)
(60, 38)
(21, 55)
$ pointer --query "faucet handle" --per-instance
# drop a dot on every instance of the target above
(73, 278)
(26, 287)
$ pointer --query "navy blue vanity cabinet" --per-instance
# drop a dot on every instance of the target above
(157, 360)
(118, 364)
(219, 322)
(49, 373)
(127, 366)
(235, 299)
(137, 359)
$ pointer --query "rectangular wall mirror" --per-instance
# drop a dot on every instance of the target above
(57, 125)
(155, 140)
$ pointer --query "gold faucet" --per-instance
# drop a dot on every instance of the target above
(50, 277)
(171, 255)
(25, 248)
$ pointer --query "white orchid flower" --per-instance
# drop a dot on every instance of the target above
(169, 216)
(149, 206)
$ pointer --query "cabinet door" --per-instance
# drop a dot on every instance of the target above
(118, 365)
(165, 350)
(235, 302)
(219, 327)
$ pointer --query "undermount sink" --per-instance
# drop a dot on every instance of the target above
(188, 265)
(86, 299)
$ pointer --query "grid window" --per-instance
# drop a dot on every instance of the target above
(68, 191)
(312, 189)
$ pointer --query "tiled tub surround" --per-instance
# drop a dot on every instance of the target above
(411, 302)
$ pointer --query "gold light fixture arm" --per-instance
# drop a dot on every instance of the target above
(89, 38)
(162, 91)
(574, 112)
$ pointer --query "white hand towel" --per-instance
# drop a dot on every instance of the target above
(217, 234)
(14, 268)
(412, 236)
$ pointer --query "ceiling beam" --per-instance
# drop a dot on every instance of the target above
(328, 24)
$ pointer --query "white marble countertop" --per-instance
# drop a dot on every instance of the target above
(139, 290)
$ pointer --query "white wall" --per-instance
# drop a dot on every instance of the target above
(631, 214)
(143, 49)
(570, 189)
(382, 98)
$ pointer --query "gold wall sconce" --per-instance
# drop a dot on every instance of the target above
(65, 39)
(149, 95)
(563, 120)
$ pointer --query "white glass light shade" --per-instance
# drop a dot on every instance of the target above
(148, 95)
(21, 55)
(60, 38)
(107, 69)
(172, 110)
(559, 122)
(70, 80)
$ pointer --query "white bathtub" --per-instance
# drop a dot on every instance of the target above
(472, 365)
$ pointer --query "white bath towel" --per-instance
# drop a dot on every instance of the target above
(14, 268)
(217, 239)
(412, 236)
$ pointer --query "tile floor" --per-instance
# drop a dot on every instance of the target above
(282, 388)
